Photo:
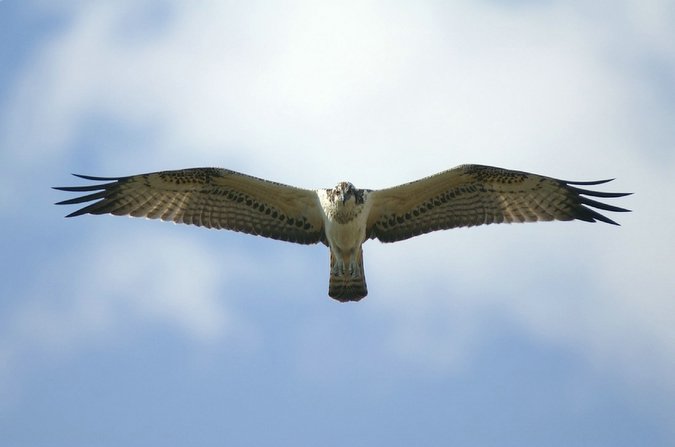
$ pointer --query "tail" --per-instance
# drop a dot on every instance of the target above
(347, 286)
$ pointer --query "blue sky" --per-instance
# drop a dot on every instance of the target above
(117, 331)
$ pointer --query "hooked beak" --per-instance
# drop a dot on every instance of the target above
(346, 195)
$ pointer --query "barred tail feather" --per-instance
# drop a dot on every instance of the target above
(347, 287)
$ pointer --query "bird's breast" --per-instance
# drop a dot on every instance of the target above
(345, 224)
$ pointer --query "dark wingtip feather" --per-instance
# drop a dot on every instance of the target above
(98, 191)
(597, 216)
(81, 199)
(98, 179)
(82, 188)
(76, 213)
(96, 187)
(603, 206)
(589, 192)
(588, 214)
(593, 182)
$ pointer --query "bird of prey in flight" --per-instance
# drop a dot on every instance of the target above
(343, 217)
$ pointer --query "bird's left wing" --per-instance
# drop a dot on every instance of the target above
(208, 197)
(471, 195)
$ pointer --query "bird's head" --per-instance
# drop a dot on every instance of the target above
(343, 192)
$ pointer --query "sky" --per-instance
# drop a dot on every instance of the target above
(118, 331)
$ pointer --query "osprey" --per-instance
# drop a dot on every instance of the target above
(343, 217)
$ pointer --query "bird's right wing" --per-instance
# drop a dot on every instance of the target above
(208, 197)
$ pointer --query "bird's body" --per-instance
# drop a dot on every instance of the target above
(343, 217)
